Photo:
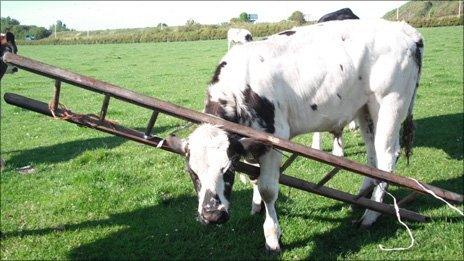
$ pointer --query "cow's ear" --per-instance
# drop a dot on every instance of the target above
(179, 145)
(255, 148)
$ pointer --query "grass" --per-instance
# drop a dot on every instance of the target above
(98, 196)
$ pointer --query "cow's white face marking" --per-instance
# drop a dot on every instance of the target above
(209, 159)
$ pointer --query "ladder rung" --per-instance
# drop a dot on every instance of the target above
(56, 95)
(104, 108)
(150, 124)
(328, 176)
(288, 162)
(408, 199)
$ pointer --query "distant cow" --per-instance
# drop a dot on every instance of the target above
(238, 36)
(342, 14)
(320, 79)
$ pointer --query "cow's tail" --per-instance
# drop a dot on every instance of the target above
(407, 137)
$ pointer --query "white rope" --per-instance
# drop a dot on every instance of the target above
(437, 197)
(397, 212)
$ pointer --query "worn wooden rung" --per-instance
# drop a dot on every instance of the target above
(104, 108)
(288, 162)
(56, 95)
(328, 176)
(365, 192)
(150, 124)
(408, 199)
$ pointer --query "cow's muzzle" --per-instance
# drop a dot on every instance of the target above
(213, 212)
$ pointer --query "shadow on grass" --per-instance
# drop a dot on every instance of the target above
(168, 230)
(66, 151)
(442, 132)
(330, 245)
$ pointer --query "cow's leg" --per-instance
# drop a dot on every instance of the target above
(367, 129)
(317, 140)
(257, 200)
(386, 143)
(268, 185)
(337, 148)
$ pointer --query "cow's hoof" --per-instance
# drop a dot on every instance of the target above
(273, 250)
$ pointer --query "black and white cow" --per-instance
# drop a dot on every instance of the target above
(238, 36)
(342, 14)
(319, 78)
(8, 44)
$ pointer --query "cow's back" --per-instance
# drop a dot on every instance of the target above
(321, 74)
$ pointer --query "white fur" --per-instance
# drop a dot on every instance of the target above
(236, 36)
(369, 64)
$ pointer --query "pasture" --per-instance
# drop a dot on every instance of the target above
(98, 196)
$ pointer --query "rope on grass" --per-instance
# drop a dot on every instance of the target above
(67, 114)
(397, 212)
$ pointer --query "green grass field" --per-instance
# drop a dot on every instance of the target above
(98, 196)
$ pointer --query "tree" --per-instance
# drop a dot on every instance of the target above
(244, 17)
(60, 27)
(297, 17)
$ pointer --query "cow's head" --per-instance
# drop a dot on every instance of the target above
(211, 153)
(8, 45)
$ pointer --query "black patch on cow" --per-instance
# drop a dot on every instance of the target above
(370, 125)
(287, 33)
(360, 78)
(418, 54)
(342, 14)
(248, 38)
(343, 38)
(217, 109)
(228, 178)
(314, 107)
(193, 176)
(215, 78)
(341, 67)
(338, 95)
(262, 109)
(265, 38)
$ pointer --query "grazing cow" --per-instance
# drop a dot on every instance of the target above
(319, 79)
(337, 149)
(342, 14)
(8, 44)
(238, 36)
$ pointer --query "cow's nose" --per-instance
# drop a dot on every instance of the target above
(216, 216)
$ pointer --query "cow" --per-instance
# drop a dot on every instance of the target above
(342, 14)
(7, 44)
(238, 36)
(319, 79)
(337, 148)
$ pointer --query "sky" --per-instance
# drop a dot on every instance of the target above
(99, 15)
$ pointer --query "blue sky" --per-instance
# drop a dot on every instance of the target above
(96, 15)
